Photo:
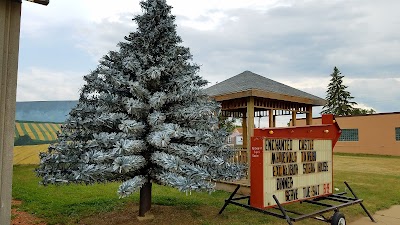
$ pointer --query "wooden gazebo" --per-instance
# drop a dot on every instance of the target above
(249, 95)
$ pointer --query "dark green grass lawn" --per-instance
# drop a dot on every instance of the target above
(379, 187)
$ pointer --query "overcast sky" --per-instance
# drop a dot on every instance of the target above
(295, 42)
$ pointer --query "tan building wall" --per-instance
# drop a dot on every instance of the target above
(376, 133)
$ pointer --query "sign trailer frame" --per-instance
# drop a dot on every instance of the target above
(329, 130)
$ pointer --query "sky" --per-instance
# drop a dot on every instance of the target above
(295, 42)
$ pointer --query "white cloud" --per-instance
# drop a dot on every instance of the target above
(363, 106)
(294, 42)
(381, 94)
(308, 82)
(209, 21)
(98, 10)
(98, 38)
(40, 18)
(37, 84)
(62, 11)
(195, 9)
(366, 54)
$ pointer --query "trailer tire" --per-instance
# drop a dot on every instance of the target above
(338, 219)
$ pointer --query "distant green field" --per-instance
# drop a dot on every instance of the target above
(28, 154)
(28, 132)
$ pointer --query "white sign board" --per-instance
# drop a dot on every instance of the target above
(296, 169)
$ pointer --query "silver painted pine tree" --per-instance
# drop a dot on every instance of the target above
(143, 118)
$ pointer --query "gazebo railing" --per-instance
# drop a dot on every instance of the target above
(240, 155)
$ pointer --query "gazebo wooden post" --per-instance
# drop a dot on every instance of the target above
(309, 115)
(250, 129)
(271, 118)
(294, 118)
(244, 128)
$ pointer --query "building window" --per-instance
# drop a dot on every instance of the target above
(397, 133)
(229, 140)
(349, 135)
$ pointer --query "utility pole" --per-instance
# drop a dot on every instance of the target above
(10, 23)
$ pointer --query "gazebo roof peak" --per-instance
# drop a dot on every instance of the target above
(248, 83)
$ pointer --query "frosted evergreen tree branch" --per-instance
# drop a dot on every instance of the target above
(126, 164)
(143, 117)
(130, 186)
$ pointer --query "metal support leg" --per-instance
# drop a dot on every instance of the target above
(229, 199)
(362, 205)
(288, 220)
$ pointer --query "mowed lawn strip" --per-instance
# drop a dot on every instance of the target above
(19, 128)
(38, 131)
(55, 127)
(98, 204)
(26, 131)
(32, 129)
(43, 131)
(383, 165)
(16, 133)
(28, 154)
(50, 131)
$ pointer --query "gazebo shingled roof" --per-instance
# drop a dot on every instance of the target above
(250, 84)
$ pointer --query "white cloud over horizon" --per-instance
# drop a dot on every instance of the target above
(38, 84)
(293, 42)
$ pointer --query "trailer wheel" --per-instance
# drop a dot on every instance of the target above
(338, 219)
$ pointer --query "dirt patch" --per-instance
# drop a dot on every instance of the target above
(128, 216)
(23, 218)
(162, 215)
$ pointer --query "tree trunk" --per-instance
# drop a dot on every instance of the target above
(145, 199)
